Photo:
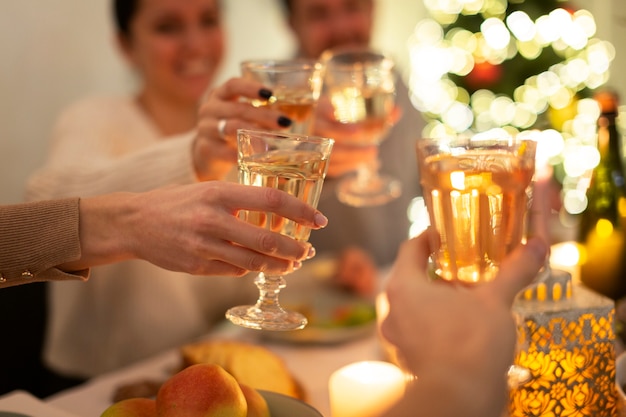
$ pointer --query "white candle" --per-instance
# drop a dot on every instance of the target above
(365, 389)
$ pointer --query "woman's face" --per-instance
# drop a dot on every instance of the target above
(176, 46)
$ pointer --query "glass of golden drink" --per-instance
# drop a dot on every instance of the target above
(359, 84)
(296, 164)
(296, 86)
(477, 192)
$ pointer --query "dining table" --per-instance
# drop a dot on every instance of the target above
(311, 354)
(311, 364)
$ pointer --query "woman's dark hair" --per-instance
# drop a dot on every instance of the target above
(287, 5)
(123, 13)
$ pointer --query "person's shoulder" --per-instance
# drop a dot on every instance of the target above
(101, 104)
(98, 110)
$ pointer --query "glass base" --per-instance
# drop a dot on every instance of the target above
(254, 318)
(377, 191)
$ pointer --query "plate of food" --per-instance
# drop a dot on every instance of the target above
(285, 406)
(334, 314)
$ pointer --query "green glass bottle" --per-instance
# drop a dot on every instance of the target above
(602, 232)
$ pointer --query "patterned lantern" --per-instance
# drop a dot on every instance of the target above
(566, 340)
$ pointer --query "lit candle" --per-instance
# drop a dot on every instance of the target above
(365, 389)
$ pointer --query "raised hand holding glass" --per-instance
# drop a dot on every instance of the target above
(296, 164)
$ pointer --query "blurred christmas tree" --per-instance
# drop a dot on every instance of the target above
(517, 65)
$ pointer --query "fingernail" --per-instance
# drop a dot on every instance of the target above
(297, 265)
(320, 219)
(265, 93)
(311, 252)
(284, 121)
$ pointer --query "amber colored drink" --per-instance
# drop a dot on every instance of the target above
(296, 85)
(298, 173)
(369, 108)
(477, 198)
(300, 109)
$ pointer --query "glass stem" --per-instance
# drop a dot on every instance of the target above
(269, 288)
(367, 173)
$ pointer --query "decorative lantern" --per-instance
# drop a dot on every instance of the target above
(566, 341)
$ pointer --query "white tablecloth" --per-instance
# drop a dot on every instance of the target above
(312, 365)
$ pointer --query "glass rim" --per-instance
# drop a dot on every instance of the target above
(335, 57)
(285, 135)
(484, 141)
(263, 64)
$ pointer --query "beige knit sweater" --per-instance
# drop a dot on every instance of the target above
(35, 238)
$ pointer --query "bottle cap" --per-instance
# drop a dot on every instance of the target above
(607, 100)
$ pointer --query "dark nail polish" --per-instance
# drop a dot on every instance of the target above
(284, 121)
(265, 93)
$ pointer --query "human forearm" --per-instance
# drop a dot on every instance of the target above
(105, 223)
(194, 229)
(35, 238)
(165, 163)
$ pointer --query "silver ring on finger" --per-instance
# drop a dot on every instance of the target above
(221, 126)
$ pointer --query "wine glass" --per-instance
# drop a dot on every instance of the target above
(296, 87)
(293, 163)
(477, 193)
(360, 85)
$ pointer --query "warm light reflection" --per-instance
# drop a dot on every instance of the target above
(418, 216)
(604, 228)
(564, 255)
(566, 340)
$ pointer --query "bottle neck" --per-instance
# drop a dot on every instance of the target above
(608, 138)
(609, 146)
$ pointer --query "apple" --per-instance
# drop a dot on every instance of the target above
(202, 390)
(132, 407)
(257, 406)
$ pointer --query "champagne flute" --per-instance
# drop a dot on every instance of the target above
(296, 86)
(296, 164)
(360, 84)
(477, 193)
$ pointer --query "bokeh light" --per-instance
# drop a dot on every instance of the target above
(446, 58)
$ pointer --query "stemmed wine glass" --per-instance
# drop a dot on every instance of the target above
(360, 84)
(296, 164)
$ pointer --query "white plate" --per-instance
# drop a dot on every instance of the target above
(335, 316)
(284, 406)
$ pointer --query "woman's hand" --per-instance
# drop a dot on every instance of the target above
(195, 229)
(226, 109)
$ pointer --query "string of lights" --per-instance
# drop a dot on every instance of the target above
(514, 66)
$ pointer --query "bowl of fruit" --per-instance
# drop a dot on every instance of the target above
(207, 390)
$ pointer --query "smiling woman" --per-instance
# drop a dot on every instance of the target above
(176, 48)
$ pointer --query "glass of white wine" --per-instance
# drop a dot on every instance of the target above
(296, 164)
(360, 84)
(296, 85)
